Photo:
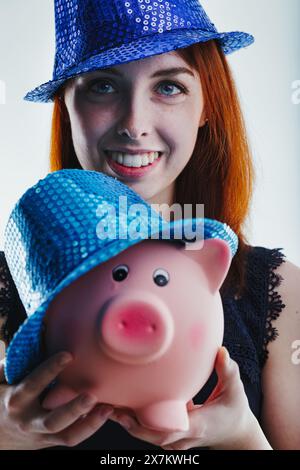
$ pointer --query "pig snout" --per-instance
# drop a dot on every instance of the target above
(136, 330)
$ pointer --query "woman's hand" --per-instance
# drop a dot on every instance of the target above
(24, 424)
(224, 421)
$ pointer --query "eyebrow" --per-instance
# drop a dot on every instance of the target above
(158, 73)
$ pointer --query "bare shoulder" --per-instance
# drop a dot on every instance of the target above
(281, 373)
(2, 316)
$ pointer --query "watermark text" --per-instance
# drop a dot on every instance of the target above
(296, 92)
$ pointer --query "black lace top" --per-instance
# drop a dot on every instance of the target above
(249, 327)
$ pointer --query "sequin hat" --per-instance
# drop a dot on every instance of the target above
(64, 226)
(94, 34)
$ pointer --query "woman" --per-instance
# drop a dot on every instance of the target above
(109, 120)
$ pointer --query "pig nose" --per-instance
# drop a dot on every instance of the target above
(136, 329)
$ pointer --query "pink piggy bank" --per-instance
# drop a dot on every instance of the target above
(144, 329)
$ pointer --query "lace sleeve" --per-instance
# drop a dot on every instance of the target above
(275, 304)
(12, 312)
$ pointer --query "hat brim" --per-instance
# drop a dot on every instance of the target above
(25, 350)
(142, 48)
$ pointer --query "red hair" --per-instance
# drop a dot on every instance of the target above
(220, 172)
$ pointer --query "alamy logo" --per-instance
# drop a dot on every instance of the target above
(135, 221)
(295, 358)
(296, 93)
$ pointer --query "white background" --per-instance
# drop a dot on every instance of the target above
(264, 74)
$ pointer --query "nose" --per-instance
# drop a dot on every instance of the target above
(136, 329)
(136, 121)
(133, 135)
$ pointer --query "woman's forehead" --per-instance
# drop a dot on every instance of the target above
(149, 65)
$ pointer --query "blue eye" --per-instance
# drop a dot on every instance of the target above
(173, 85)
(100, 84)
(101, 87)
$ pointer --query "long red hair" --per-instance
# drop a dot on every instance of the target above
(220, 172)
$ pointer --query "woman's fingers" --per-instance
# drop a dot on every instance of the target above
(210, 423)
(229, 380)
(228, 374)
(128, 422)
(226, 368)
(62, 417)
(84, 428)
(36, 382)
(35, 428)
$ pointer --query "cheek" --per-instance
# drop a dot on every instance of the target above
(182, 151)
(88, 127)
(184, 135)
(88, 121)
(86, 135)
(82, 133)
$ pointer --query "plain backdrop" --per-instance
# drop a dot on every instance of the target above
(265, 73)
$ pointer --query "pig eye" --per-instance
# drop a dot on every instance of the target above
(161, 277)
(120, 272)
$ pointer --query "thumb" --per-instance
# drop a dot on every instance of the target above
(227, 369)
(221, 366)
(192, 406)
(228, 373)
(222, 359)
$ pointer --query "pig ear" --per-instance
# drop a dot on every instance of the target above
(214, 256)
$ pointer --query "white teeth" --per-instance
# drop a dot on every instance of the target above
(135, 161)
(145, 160)
(130, 160)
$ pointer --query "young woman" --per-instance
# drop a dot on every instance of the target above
(132, 79)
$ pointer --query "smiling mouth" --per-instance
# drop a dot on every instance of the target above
(134, 166)
(139, 160)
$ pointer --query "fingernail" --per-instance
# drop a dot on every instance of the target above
(226, 356)
(87, 400)
(64, 359)
(125, 422)
(105, 410)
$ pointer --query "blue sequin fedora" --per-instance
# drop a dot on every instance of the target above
(64, 226)
(94, 34)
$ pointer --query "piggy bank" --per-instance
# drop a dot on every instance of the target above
(144, 329)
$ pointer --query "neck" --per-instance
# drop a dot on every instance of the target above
(164, 200)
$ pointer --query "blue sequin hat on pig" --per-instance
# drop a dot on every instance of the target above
(65, 225)
(95, 34)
